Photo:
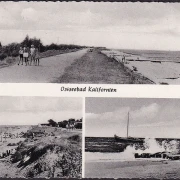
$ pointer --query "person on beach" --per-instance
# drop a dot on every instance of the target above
(32, 54)
(20, 56)
(37, 57)
(25, 55)
(123, 58)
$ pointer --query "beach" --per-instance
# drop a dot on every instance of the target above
(11, 143)
(41, 152)
(160, 68)
(113, 165)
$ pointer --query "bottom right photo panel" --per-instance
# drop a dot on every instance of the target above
(132, 138)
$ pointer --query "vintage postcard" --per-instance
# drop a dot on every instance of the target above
(132, 138)
(89, 43)
(64, 109)
(40, 137)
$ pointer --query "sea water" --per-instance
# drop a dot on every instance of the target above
(150, 145)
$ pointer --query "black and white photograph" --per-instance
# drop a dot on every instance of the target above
(132, 138)
(40, 137)
(89, 43)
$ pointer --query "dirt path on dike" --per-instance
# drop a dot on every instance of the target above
(50, 68)
(96, 68)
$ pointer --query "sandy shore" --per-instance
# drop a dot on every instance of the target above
(13, 130)
(124, 165)
(133, 169)
(45, 155)
(121, 165)
(159, 71)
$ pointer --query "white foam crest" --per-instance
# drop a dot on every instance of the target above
(171, 146)
(151, 145)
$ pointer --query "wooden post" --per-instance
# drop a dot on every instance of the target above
(128, 126)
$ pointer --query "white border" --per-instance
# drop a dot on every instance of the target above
(83, 140)
(54, 90)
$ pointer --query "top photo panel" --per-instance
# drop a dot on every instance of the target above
(90, 42)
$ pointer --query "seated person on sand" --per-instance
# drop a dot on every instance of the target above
(32, 54)
(20, 56)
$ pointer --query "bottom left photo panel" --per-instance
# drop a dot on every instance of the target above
(41, 137)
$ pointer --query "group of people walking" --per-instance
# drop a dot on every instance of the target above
(29, 56)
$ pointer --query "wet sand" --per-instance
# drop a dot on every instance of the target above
(133, 169)
(124, 165)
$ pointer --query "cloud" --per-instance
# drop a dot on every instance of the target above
(120, 116)
(110, 123)
(114, 25)
(31, 118)
(91, 15)
(148, 117)
(6, 18)
(115, 117)
(145, 113)
(39, 104)
(34, 110)
(29, 14)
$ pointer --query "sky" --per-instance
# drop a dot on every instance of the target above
(113, 25)
(153, 118)
(36, 110)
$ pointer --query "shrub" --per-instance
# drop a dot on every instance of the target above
(3, 56)
(12, 144)
(78, 125)
(16, 157)
(71, 163)
(10, 60)
(75, 138)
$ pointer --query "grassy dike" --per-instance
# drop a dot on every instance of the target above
(96, 68)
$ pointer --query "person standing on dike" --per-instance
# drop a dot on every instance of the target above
(37, 57)
(32, 54)
(20, 56)
(25, 55)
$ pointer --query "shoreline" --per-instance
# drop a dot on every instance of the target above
(159, 71)
(158, 169)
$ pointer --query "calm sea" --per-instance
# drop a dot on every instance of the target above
(155, 55)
